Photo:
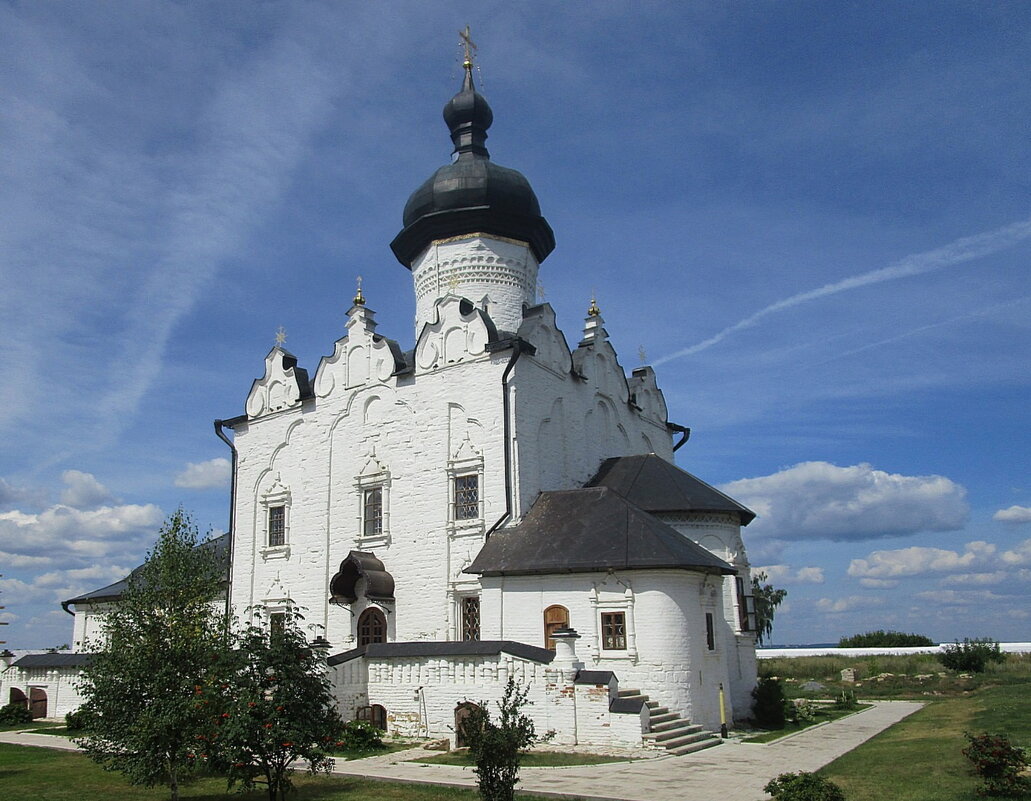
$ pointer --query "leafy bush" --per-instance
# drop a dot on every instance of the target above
(971, 655)
(76, 721)
(800, 711)
(768, 703)
(846, 700)
(14, 713)
(999, 763)
(804, 787)
(884, 639)
(360, 735)
(497, 746)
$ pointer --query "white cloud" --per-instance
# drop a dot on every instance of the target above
(83, 491)
(961, 597)
(852, 602)
(212, 474)
(785, 574)
(878, 584)
(914, 561)
(21, 560)
(1021, 555)
(61, 531)
(977, 579)
(1014, 514)
(819, 500)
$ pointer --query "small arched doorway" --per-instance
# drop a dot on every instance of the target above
(375, 714)
(372, 627)
(38, 702)
(18, 698)
(462, 713)
(555, 617)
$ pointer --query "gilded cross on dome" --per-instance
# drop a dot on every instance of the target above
(469, 46)
(280, 337)
(359, 298)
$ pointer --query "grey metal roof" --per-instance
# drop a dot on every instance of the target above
(658, 486)
(589, 530)
(388, 650)
(112, 592)
(594, 677)
(52, 660)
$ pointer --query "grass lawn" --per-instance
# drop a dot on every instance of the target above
(534, 759)
(824, 714)
(388, 748)
(36, 724)
(45, 775)
(920, 759)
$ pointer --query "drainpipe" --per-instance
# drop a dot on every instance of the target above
(518, 346)
(685, 434)
(232, 515)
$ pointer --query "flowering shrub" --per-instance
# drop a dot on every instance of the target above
(999, 763)
(804, 787)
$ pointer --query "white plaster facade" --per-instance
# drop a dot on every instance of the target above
(398, 466)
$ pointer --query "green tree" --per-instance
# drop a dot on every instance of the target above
(280, 707)
(163, 642)
(767, 599)
(497, 747)
(884, 639)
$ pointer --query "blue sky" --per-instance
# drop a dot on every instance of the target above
(813, 218)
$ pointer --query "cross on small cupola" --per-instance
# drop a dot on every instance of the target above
(469, 46)
(280, 336)
(359, 298)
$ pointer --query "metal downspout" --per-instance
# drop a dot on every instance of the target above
(517, 349)
(232, 518)
(679, 429)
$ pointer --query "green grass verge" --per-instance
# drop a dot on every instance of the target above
(36, 724)
(45, 775)
(823, 715)
(534, 759)
(920, 758)
(388, 748)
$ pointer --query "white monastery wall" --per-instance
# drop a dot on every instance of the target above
(667, 657)
(408, 434)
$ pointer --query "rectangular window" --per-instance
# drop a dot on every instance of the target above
(277, 623)
(742, 604)
(613, 631)
(373, 519)
(710, 631)
(276, 525)
(470, 618)
(467, 497)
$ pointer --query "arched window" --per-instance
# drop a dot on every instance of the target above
(375, 714)
(555, 617)
(372, 627)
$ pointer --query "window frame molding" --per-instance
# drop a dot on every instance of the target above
(276, 496)
(607, 605)
(459, 468)
(381, 480)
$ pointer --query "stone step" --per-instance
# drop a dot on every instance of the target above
(685, 729)
(629, 693)
(664, 717)
(701, 745)
(667, 725)
(652, 704)
(676, 743)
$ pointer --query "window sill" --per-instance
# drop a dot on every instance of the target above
(273, 552)
(373, 540)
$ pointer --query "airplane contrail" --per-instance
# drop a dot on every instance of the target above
(965, 249)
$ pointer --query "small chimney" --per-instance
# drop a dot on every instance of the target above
(565, 652)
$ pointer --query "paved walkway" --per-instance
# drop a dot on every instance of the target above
(730, 772)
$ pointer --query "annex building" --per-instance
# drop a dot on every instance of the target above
(495, 502)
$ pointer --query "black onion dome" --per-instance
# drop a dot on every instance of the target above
(472, 194)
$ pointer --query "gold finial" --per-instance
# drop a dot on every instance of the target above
(359, 298)
(593, 311)
(469, 46)
(280, 336)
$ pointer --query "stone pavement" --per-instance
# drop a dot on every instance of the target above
(731, 772)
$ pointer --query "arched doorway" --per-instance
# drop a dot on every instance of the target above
(372, 627)
(38, 702)
(18, 697)
(555, 617)
(375, 714)
(462, 713)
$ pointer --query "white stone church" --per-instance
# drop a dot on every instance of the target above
(489, 504)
